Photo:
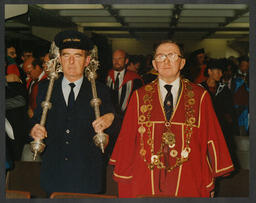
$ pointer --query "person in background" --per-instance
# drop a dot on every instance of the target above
(222, 103)
(122, 82)
(34, 70)
(46, 58)
(26, 53)
(11, 65)
(134, 63)
(196, 66)
(16, 120)
(228, 73)
(171, 143)
(220, 94)
(71, 162)
(241, 95)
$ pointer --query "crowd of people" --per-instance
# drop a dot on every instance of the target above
(171, 119)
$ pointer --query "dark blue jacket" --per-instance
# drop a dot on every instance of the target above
(71, 161)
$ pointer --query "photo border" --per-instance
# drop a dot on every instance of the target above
(252, 80)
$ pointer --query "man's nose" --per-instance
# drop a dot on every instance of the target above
(167, 60)
(71, 59)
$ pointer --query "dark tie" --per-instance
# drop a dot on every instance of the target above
(117, 82)
(168, 102)
(116, 87)
(71, 97)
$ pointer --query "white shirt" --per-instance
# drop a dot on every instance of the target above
(175, 90)
(41, 75)
(66, 88)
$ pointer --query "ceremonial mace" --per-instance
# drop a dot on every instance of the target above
(53, 69)
(100, 139)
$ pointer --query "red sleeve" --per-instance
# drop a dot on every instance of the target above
(217, 150)
(13, 69)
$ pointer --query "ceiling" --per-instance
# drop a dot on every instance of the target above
(139, 21)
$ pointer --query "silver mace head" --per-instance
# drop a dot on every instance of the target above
(101, 140)
(37, 147)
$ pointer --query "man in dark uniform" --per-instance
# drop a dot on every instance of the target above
(71, 160)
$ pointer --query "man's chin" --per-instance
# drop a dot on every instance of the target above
(118, 69)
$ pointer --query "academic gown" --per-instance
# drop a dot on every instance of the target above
(34, 91)
(209, 156)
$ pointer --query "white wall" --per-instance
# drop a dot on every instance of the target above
(132, 46)
(46, 33)
(216, 48)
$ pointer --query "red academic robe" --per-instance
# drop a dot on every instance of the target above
(34, 91)
(128, 81)
(209, 156)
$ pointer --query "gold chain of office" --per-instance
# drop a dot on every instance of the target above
(168, 137)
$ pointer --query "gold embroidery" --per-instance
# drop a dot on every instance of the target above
(141, 130)
(168, 137)
(142, 118)
(149, 141)
(149, 106)
(191, 94)
(70, 40)
(143, 108)
(191, 101)
(146, 98)
(173, 153)
(148, 88)
(148, 124)
(192, 120)
(143, 152)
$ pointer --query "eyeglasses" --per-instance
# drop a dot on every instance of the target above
(172, 57)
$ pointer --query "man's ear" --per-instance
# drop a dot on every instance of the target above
(87, 60)
(182, 63)
(126, 61)
(209, 71)
(154, 65)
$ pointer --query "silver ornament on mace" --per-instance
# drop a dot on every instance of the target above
(101, 139)
(53, 69)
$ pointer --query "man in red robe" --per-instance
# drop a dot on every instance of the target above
(171, 143)
(127, 80)
(34, 70)
(122, 83)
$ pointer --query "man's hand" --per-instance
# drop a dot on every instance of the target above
(30, 112)
(12, 78)
(38, 132)
(103, 122)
